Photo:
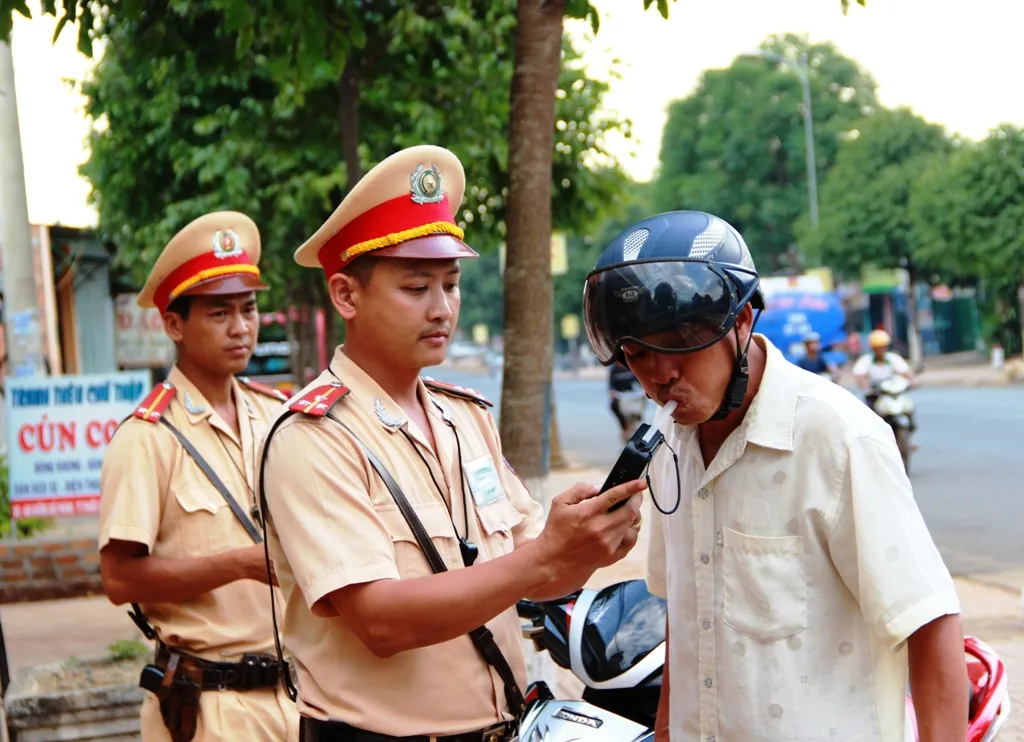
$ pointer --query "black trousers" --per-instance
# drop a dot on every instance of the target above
(618, 413)
(313, 730)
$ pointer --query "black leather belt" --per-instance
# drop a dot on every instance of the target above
(314, 730)
(255, 671)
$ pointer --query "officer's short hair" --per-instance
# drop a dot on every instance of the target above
(181, 306)
(362, 268)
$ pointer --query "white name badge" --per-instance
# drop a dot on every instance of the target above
(484, 481)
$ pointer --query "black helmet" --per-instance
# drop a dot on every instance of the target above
(674, 283)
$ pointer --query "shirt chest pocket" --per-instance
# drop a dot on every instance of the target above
(497, 519)
(207, 524)
(765, 585)
(409, 557)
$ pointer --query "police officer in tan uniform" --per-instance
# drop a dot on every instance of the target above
(401, 538)
(177, 534)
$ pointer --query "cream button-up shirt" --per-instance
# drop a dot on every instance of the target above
(154, 493)
(331, 523)
(795, 568)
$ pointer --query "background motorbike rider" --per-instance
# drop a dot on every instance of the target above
(813, 361)
(621, 381)
(881, 363)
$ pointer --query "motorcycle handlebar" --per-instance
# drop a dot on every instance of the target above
(528, 609)
(533, 608)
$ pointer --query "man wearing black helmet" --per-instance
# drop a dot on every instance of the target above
(803, 587)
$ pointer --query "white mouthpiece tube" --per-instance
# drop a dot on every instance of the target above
(661, 417)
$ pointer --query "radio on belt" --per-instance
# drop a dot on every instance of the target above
(639, 450)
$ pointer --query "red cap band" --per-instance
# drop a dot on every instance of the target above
(389, 223)
(200, 268)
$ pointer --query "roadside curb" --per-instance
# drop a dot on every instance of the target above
(969, 379)
(965, 381)
(1011, 583)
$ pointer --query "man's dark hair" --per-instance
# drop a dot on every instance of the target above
(181, 306)
(361, 268)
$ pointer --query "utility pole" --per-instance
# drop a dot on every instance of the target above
(812, 168)
(803, 71)
(20, 305)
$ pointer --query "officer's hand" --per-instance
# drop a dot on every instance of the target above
(252, 564)
(581, 535)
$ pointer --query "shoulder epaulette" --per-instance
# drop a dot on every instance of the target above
(263, 389)
(152, 408)
(319, 400)
(457, 391)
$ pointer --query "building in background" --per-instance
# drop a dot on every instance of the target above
(74, 286)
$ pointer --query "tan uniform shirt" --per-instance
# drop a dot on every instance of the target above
(153, 493)
(332, 523)
(795, 568)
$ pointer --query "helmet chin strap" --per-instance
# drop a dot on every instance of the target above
(737, 387)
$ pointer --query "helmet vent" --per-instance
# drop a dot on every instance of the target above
(709, 239)
(633, 243)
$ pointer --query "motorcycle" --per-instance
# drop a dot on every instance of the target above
(613, 640)
(893, 404)
(616, 647)
(632, 406)
(988, 707)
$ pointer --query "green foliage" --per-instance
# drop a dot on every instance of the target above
(184, 132)
(967, 212)
(585, 248)
(735, 146)
(24, 528)
(864, 217)
(968, 209)
(188, 128)
(483, 285)
(128, 649)
(71, 11)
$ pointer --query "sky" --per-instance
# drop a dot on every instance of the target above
(52, 122)
(960, 64)
(956, 63)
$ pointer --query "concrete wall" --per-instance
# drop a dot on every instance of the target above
(47, 568)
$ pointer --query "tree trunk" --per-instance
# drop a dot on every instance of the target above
(557, 458)
(1020, 313)
(348, 126)
(915, 351)
(330, 326)
(348, 120)
(294, 336)
(529, 295)
(307, 328)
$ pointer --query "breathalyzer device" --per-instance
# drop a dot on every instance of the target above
(639, 450)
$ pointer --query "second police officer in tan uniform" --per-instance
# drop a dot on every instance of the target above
(401, 538)
(170, 538)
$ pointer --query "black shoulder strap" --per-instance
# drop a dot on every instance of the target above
(216, 481)
(286, 677)
(481, 636)
(136, 614)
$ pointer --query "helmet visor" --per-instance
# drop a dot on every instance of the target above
(668, 306)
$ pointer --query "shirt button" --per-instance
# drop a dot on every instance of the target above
(704, 558)
(707, 682)
(706, 624)
(718, 539)
(702, 493)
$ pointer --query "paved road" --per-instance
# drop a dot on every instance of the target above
(968, 474)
